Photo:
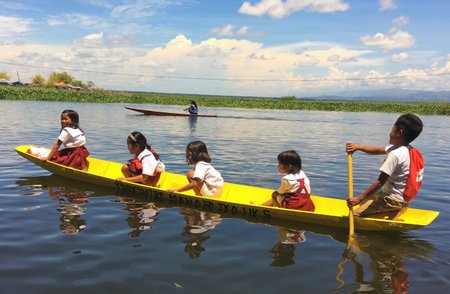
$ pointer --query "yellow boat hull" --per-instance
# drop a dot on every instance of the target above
(237, 200)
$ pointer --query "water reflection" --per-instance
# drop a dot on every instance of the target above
(71, 201)
(284, 251)
(198, 223)
(71, 206)
(378, 262)
(193, 123)
(142, 214)
(375, 264)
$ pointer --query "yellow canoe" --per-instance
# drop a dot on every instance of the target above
(237, 200)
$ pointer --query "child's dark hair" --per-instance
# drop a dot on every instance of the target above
(410, 125)
(291, 160)
(195, 103)
(74, 117)
(199, 152)
(136, 138)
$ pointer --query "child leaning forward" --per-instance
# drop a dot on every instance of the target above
(145, 167)
(294, 191)
(204, 179)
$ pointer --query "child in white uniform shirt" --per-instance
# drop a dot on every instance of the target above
(203, 179)
(74, 153)
(145, 167)
(394, 172)
(294, 191)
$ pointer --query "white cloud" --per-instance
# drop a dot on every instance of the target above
(395, 39)
(11, 26)
(18, 42)
(205, 51)
(241, 67)
(141, 8)
(242, 31)
(228, 31)
(260, 56)
(225, 31)
(336, 58)
(78, 19)
(280, 9)
(447, 67)
(399, 57)
(330, 55)
(387, 5)
(307, 61)
(412, 73)
(99, 3)
(75, 59)
(179, 42)
(91, 41)
(91, 37)
(54, 21)
(246, 62)
(118, 39)
(10, 5)
(401, 21)
(250, 63)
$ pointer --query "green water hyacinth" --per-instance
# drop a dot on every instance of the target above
(287, 103)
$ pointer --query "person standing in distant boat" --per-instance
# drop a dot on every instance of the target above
(294, 191)
(193, 108)
(75, 153)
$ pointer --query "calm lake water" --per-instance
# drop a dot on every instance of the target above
(62, 235)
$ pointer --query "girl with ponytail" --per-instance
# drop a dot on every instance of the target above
(145, 167)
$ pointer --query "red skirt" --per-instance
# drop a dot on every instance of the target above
(299, 202)
(72, 157)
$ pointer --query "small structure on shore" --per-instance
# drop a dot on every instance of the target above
(64, 86)
(4, 82)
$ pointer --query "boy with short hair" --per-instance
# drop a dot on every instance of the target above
(400, 174)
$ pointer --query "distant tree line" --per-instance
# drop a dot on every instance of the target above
(54, 77)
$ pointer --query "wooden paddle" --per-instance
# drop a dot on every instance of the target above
(351, 220)
(351, 223)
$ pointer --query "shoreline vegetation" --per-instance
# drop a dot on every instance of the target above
(283, 103)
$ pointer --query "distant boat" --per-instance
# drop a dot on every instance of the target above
(165, 113)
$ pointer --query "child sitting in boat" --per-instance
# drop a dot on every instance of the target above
(75, 153)
(400, 174)
(294, 191)
(204, 179)
(145, 167)
(193, 108)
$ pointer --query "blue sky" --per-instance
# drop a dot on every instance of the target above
(259, 48)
